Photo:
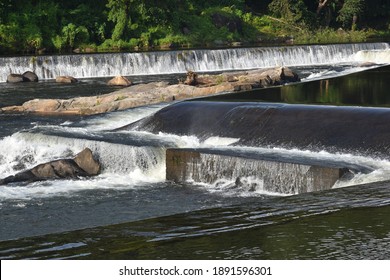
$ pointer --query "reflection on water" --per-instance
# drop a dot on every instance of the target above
(368, 88)
(362, 89)
(350, 223)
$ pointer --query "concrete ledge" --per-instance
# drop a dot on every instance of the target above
(276, 176)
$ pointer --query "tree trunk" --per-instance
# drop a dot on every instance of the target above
(321, 5)
(354, 21)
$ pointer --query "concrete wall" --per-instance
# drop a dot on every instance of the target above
(276, 176)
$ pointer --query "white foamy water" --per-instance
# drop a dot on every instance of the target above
(253, 185)
(126, 166)
(374, 56)
(118, 119)
(107, 181)
(123, 166)
(380, 167)
(331, 73)
(249, 186)
(127, 64)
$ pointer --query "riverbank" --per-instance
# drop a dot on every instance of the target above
(159, 92)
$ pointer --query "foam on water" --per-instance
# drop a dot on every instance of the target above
(118, 119)
(123, 166)
(250, 186)
(374, 56)
(253, 186)
(107, 181)
(333, 73)
(127, 166)
(148, 63)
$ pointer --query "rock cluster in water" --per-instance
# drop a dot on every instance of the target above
(82, 165)
(27, 76)
(158, 92)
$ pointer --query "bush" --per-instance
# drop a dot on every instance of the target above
(328, 35)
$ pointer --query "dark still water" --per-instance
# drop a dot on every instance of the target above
(368, 88)
(131, 211)
(349, 223)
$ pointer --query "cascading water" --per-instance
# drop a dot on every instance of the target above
(106, 65)
(133, 188)
(375, 56)
(25, 150)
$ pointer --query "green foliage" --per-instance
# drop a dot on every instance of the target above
(328, 35)
(71, 36)
(350, 9)
(292, 11)
(32, 25)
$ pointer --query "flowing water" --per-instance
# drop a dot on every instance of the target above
(131, 211)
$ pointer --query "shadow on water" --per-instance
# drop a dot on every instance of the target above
(369, 88)
(350, 223)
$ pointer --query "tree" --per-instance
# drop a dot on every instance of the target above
(350, 12)
(321, 5)
(293, 11)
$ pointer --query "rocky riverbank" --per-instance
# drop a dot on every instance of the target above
(158, 92)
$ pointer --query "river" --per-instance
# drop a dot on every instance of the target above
(131, 211)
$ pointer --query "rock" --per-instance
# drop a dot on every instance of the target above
(191, 79)
(367, 64)
(66, 79)
(236, 44)
(82, 165)
(15, 78)
(27, 76)
(30, 76)
(41, 105)
(86, 161)
(288, 76)
(196, 85)
(119, 81)
(63, 168)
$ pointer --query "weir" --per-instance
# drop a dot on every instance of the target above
(277, 176)
(340, 129)
(168, 62)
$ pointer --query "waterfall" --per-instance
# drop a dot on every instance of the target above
(168, 62)
(230, 172)
(25, 150)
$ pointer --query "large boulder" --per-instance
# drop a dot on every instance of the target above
(27, 76)
(289, 76)
(15, 78)
(87, 162)
(119, 81)
(30, 76)
(82, 165)
(66, 79)
(41, 105)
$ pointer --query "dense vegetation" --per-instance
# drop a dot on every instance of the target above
(35, 25)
